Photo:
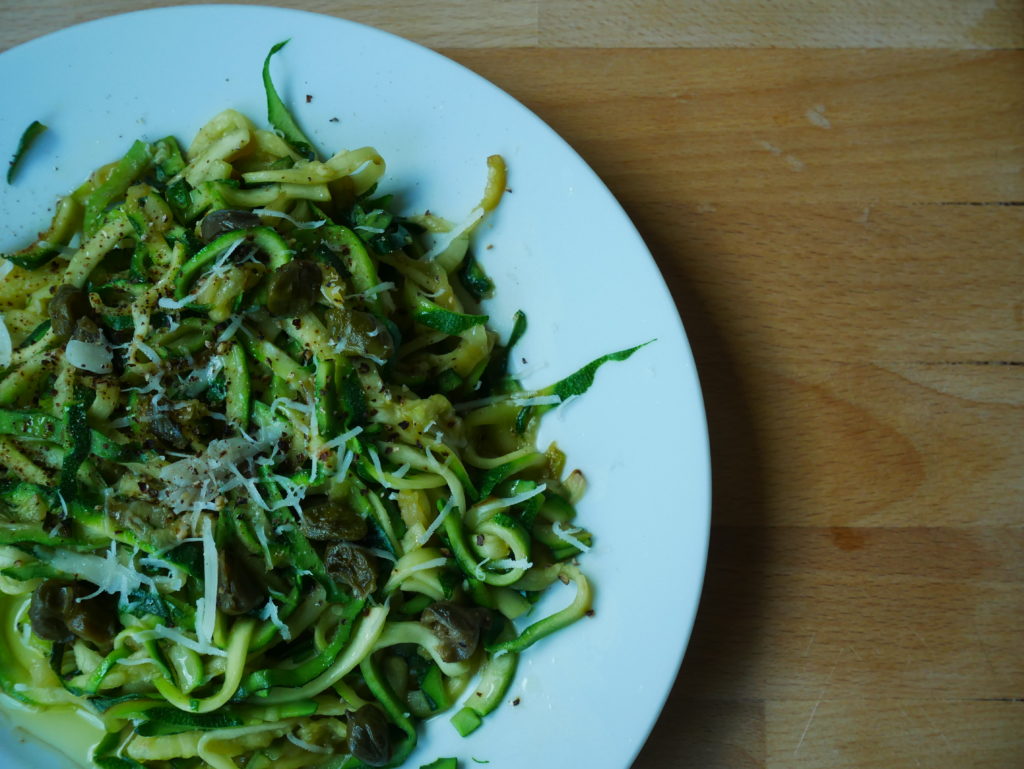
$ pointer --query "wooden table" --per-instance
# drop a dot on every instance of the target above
(833, 192)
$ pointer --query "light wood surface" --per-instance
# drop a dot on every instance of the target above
(833, 191)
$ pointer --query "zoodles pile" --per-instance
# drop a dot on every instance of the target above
(269, 495)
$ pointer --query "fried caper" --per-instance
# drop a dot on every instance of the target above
(240, 589)
(353, 566)
(217, 223)
(66, 308)
(94, 619)
(369, 736)
(62, 609)
(167, 430)
(327, 520)
(293, 288)
(457, 627)
(46, 612)
(360, 332)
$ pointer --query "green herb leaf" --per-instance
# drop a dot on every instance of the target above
(518, 328)
(442, 763)
(445, 321)
(141, 602)
(476, 281)
(279, 116)
(580, 381)
(28, 138)
(384, 231)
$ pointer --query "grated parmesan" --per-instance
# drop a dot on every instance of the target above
(171, 634)
(308, 746)
(89, 356)
(261, 537)
(314, 439)
(249, 484)
(567, 535)
(219, 267)
(373, 290)
(375, 459)
(206, 613)
(382, 553)
(343, 438)
(6, 347)
(176, 579)
(294, 493)
(270, 612)
(462, 230)
(426, 535)
(166, 303)
(538, 400)
(434, 563)
(345, 458)
(107, 572)
(231, 328)
(146, 350)
(195, 482)
(508, 564)
(504, 502)
(292, 219)
(129, 662)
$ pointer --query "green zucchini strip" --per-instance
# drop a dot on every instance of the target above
(576, 610)
(241, 634)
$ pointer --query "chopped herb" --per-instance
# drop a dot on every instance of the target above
(442, 763)
(28, 138)
(279, 116)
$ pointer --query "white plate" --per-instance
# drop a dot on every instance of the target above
(563, 251)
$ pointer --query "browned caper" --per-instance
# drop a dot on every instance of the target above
(369, 736)
(94, 619)
(66, 308)
(457, 627)
(86, 330)
(167, 430)
(62, 609)
(46, 612)
(328, 520)
(240, 588)
(293, 288)
(359, 332)
(227, 220)
(353, 566)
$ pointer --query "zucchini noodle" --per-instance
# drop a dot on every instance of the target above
(269, 495)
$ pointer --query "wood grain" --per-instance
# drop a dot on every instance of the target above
(697, 126)
(434, 23)
(962, 24)
(897, 733)
(833, 191)
(959, 24)
(924, 598)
